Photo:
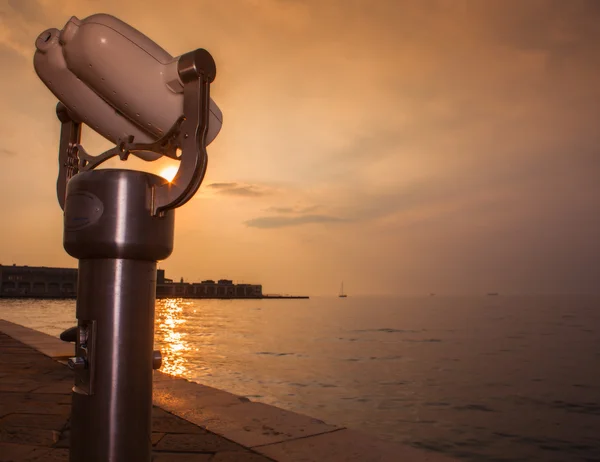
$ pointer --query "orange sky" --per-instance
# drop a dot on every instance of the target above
(405, 147)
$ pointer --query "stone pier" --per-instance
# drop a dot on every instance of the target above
(191, 422)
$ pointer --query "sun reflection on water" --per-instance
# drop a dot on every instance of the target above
(171, 335)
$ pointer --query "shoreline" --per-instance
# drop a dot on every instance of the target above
(160, 297)
(261, 429)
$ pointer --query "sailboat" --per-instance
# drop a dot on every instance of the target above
(342, 294)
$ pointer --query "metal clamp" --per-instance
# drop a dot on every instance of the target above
(197, 70)
(83, 364)
(68, 161)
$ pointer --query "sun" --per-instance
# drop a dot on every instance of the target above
(168, 173)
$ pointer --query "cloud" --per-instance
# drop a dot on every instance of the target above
(281, 210)
(285, 221)
(236, 189)
(29, 9)
(222, 185)
(290, 210)
(20, 23)
(471, 143)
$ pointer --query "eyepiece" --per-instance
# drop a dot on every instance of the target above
(46, 39)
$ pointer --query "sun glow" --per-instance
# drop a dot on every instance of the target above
(168, 173)
(172, 336)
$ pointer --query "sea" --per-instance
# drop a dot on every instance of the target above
(486, 378)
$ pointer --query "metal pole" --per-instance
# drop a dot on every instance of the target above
(110, 228)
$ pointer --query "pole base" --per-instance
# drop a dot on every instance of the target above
(109, 227)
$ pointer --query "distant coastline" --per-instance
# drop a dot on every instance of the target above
(61, 283)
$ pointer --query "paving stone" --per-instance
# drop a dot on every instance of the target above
(355, 447)
(63, 373)
(44, 343)
(50, 398)
(156, 437)
(165, 422)
(247, 456)
(43, 421)
(63, 440)
(178, 395)
(30, 407)
(59, 387)
(47, 398)
(48, 455)
(25, 435)
(179, 457)
(15, 350)
(255, 424)
(12, 452)
(196, 443)
(18, 385)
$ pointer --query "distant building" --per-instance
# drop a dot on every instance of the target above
(160, 277)
(37, 282)
(224, 288)
(44, 282)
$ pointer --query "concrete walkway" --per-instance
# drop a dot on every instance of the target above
(35, 403)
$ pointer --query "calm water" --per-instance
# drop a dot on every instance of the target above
(486, 379)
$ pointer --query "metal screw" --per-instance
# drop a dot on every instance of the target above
(77, 363)
(156, 359)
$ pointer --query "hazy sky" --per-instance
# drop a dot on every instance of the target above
(446, 146)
